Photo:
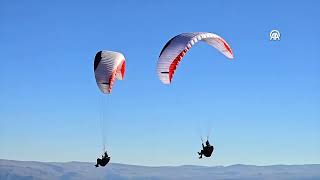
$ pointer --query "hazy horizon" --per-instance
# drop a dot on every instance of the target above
(19, 170)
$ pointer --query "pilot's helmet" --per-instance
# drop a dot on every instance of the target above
(207, 143)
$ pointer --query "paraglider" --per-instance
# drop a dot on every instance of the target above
(174, 51)
(104, 161)
(108, 66)
(206, 150)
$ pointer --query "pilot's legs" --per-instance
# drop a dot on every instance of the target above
(98, 162)
(200, 153)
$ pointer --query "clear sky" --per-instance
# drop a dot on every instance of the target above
(262, 108)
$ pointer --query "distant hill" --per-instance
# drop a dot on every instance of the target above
(30, 170)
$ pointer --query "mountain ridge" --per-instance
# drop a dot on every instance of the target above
(34, 170)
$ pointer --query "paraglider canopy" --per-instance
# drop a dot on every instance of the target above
(108, 66)
(177, 47)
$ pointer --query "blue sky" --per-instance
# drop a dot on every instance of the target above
(262, 108)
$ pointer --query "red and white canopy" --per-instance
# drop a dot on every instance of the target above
(177, 47)
(108, 66)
